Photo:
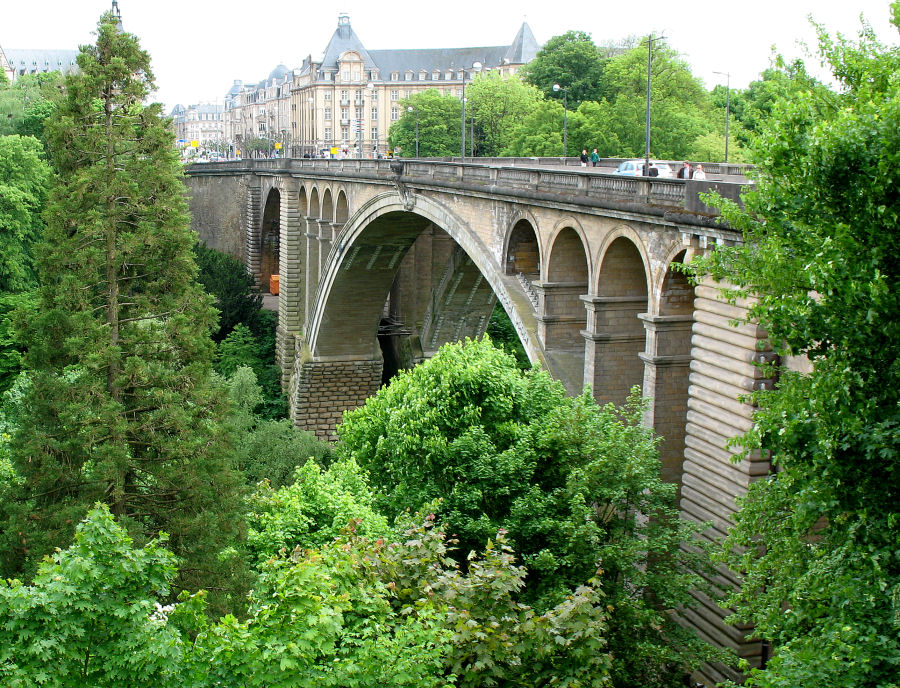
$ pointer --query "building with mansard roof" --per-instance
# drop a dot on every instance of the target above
(198, 128)
(350, 96)
(18, 62)
(259, 110)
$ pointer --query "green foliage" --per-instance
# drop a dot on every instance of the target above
(313, 510)
(26, 103)
(817, 541)
(539, 133)
(242, 348)
(576, 486)
(502, 334)
(235, 293)
(11, 352)
(92, 615)
(496, 103)
(570, 60)
(439, 119)
(24, 182)
(122, 407)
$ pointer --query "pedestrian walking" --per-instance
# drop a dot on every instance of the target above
(699, 173)
(595, 158)
(685, 172)
(584, 157)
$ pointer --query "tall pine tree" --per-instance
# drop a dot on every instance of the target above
(122, 407)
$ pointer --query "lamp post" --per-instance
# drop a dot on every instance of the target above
(371, 87)
(412, 109)
(462, 136)
(311, 121)
(727, 76)
(650, 40)
(565, 90)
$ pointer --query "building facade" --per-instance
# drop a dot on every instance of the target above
(261, 111)
(199, 129)
(16, 63)
(349, 98)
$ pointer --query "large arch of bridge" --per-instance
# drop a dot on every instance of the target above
(363, 262)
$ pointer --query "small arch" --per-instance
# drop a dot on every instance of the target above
(314, 210)
(616, 334)
(568, 260)
(270, 237)
(676, 295)
(342, 208)
(327, 213)
(303, 204)
(523, 251)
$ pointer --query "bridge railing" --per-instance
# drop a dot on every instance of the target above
(498, 176)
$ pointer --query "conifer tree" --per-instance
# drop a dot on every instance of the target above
(122, 406)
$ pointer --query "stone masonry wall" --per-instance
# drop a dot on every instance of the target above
(324, 390)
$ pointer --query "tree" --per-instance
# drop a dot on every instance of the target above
(495, 103)
(576, 486)
(820, 559)
(108, 627)
(24, 182)
(438, 125)
(27, 102)
(236, 296)
(122, 406)
(572, 61)
(538, 133)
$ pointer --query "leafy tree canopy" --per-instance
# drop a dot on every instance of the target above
(122, 406)
(576, 486)
(817, 541)
(439, 120)
(24, 183)
(495, 103)
(572, 61)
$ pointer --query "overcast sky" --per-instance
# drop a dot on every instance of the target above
(199, 47)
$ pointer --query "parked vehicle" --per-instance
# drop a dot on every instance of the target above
(634, 168)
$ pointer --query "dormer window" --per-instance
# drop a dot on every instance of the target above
(449, 75)
(395, 76)
(435, 75)
(409, 75)
(422, 75)
(459, 75)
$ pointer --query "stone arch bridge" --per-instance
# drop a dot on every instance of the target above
(381, 262)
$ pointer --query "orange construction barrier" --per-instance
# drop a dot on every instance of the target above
(273, 284)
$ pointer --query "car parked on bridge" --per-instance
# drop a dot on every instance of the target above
(634, 168)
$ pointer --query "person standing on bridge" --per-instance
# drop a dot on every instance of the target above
(584, 157)
(699, 173)
(685, 172)
(595, 158)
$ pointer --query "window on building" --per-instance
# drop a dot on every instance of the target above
(345, 75)
(409, 75)
(328, 133)
(374, 113)
(327, 113)
(327, 95)
(459, 93)
(356, 75)
(459, 75)
(395, 94)
(395, 76)
(345, 94)
(395, 114)
(422, 75)
(345, 133)
(435, 75)
(345, 113)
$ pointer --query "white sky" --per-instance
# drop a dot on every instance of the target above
(199, 47)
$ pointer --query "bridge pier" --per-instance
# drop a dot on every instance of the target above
(253, 253)
(292, 288)
(666, 367)
(323, 390)
(613, 341)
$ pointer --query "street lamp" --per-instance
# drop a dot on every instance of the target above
(650, 40)
(565, 90)
(373, 118)
(462, 136)
(412, 109)
(727, 76)
(311, 121)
